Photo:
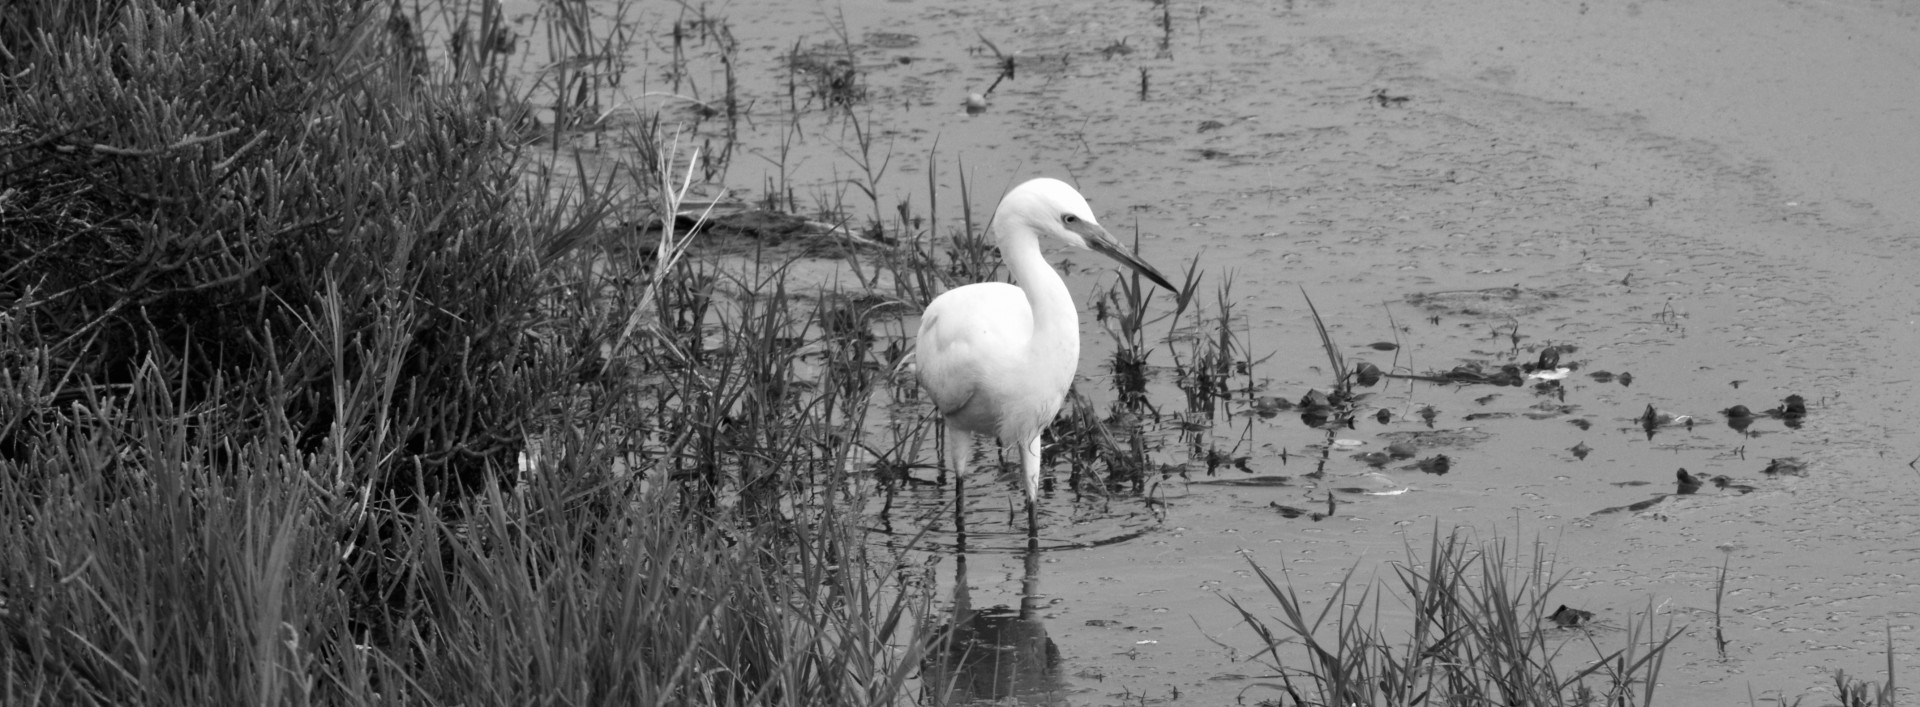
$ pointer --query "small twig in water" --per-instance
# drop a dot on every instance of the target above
(1719, 592)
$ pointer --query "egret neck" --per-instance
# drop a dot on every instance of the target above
(1055, 344)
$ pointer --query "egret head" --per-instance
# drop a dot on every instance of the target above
(1047, 206)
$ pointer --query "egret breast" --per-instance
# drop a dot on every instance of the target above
(980, 363)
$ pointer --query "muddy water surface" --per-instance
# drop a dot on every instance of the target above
(1718, 198)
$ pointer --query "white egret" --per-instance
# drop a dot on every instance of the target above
(997, 359)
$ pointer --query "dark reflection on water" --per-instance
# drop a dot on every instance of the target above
(995, 654)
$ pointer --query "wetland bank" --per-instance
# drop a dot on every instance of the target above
(1693, 206)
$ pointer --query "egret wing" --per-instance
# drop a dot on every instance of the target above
(969, 336)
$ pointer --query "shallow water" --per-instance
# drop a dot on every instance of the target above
(1716, 197)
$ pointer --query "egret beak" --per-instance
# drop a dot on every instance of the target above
(1099, 241)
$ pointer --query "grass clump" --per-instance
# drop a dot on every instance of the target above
(205, 586)
(1481, 631)
(1853, 691)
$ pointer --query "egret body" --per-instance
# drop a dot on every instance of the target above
(997, 359)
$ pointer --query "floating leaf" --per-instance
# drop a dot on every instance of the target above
(1786, 465)
(1688, 482)
(1549, 374)
(1289, 511)
(1436, 464)
(1725, 483)
(1567, 617)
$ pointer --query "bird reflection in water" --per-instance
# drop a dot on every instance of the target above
(998, 654)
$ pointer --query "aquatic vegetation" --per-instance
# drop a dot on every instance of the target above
(1464, 624)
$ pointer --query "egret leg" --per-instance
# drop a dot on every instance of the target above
(959, 452)
(959, 449)
(1030, 473)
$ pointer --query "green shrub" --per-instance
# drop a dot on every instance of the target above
(263, 196)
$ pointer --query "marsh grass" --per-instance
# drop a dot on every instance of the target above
(1336, 362)
(204, 587)
(1215, 354)
(1471, 627)
(314, 392)
(1855, 692)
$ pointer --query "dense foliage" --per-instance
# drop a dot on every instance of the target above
(282, 302)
